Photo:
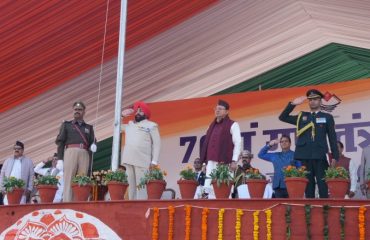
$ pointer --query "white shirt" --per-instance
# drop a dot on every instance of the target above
(17, 169)
(57, 171)
(237, 140)
(353, 175)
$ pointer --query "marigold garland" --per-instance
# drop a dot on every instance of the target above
(361, 222)
(342, 219)
(205, 212)
(187, 221)
(238, 224)
(171, 213)
(288, 220)
(220, 223)
(255, 225)
(268, 224)
(326, 226)
(307, 210)
(155, 234)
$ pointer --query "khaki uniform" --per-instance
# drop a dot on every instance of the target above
(74, 150)
(142, 147)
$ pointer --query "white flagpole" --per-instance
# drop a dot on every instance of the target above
(119, 85)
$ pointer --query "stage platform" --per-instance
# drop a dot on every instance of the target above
(131, 220)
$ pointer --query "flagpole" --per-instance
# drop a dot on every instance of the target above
(119, 86)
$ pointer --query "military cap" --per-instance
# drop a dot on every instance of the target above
(313, 93)
(79, 104)
(224, 104)
(20, 144)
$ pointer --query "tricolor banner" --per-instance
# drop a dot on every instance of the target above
(183, 123)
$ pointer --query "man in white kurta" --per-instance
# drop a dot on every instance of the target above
(18, 166)
(364, 171)
(141, 149)
(56, 169)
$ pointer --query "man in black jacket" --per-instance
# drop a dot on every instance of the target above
(311, 145)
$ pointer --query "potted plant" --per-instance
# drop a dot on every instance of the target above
(222, 181)
(14, 189)
(337, 179)
(154, 182)
(256, 182)
(295, 180)
(187, 183)
(47, 187)
(81, 187)
(117, 184)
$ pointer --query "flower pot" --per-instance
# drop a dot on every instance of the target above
(222, 191)
(338, 187)
(81, 193)
(155, 188)
(187, 188)
(15, 196)
(296, 186)
(117, 190)
(256, 187)
(47, 193)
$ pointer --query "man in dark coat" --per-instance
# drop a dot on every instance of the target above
(313, 128)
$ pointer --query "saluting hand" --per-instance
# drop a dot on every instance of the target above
(273, 142)
(127, 112)
(299, 100)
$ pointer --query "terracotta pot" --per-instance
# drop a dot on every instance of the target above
(81, 193)
(187, 188)
(15, 196)
(337, 187)
(117, 190)
(222, 191)
(256, 187)
(47, 193)
(296, 186)
(155, 188)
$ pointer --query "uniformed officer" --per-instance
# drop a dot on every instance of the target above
(311, 145)
(74, 141)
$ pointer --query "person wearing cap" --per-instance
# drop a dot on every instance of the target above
(18, 166)
(56, 169)
(222, 143)
(75, 141)
(141, 148)
(279, 160)
(312, 130)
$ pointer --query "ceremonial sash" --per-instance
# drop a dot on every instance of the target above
(302, 130)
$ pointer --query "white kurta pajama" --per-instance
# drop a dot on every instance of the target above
(142, 147)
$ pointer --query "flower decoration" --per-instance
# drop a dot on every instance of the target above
(187, 221)
(268, 213)
(188, 174)
(154, 173)
(98, 177)
(238, 224)
(171, 213)
(361, 222)
(205, 213)
(256, 225)
(336, 173)
(253, 173)
(292, 171)
(46, 180)
(10, 183)
(221, 174)
(220, 223)
(155, 234)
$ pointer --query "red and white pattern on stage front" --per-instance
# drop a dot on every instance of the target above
(62, 224)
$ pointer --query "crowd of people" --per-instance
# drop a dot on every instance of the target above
(315, 132)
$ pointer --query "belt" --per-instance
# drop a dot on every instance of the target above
(81, 145)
